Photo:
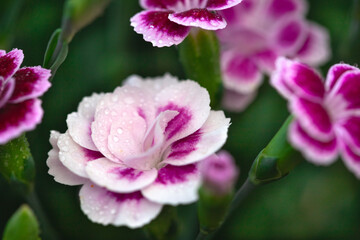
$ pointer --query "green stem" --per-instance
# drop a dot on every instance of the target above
(48, 232)
(241, 194)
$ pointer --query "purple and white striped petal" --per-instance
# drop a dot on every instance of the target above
(79, 123)
(351, 160)
(315, 50)
(60, 173)
(73, 156)
(221, 4)
(348, 88)
(156, 28)
(201, 18)
(201, 144)
(105, 207)
(241, 74)
(293, 78)
(277, 9)
(6, 91)
(317, 152)
(351, 133)
(335, 72)
(117, 177)
(313, 118)
(10, 63)
(31, 82)
(236, 102)
(193, 104)
(174, 185)
(18, 118)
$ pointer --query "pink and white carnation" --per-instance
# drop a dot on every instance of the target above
(20, 108)
(326, 114)
(258, 32)
(137, 148)
(168, 22)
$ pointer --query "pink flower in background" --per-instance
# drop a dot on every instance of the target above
(327, 115)
(20, 108)
(137, 148)
(219, 173)
(167, 22)
(258, 32)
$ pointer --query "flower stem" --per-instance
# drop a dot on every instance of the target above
(48, 232)
(241, 194)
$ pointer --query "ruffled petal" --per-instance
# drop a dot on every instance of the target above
(10, 63)
(117, 177)
(315, 50)
(241, 74)
(348, 88)
(193, 104)
(18, 118)
(293, 78)
(7, 91)
(201, 18)
(201, 144)
(105, 207)
(73, 156)
(236, 102)
(221, 4)
(156, 28)
(79, 123)
(313, 118)
(174, 185)
(317, 152)
(335, 72)
(56, 169)
(31, 82)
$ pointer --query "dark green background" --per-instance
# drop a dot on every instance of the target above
(311, 203)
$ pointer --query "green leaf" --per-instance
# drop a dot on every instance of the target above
(17, 165)
(51, 48)
(199, 55)
(22, 225)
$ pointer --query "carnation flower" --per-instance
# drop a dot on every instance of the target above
(165, 22)
(258, 32)
(20, 108)
(327, 115)
(137, 148)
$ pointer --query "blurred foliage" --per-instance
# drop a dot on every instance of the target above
(311, 203)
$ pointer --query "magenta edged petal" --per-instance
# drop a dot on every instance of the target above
(348, 87)
(240, 73)
(105, 207)
(236, 102)
(221, 4)
(293, 78)
(10, 63)
(117, 177)
(335, 72)
(316, 49)
(351, 134)
(202, 143)
(56, 169)
(7, 91)
(31, 82)
(18, 118)
(313, 118)
(201, 18)
(158, 29)
(317, 152)
(351, 160)
(174, 185)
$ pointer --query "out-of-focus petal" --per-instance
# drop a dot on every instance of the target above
(236, 102)
(221, 4)
(335, 72)
(7, 91)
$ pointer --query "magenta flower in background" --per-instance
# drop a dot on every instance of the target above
(20, 108)
(167, 22)
(327, 115)
(219, 173)
(258, 32)
(137, 148)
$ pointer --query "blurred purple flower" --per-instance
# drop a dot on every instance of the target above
(167, 22)
(20, 108)
(258, 32)
(327, 115)
(137, 148)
